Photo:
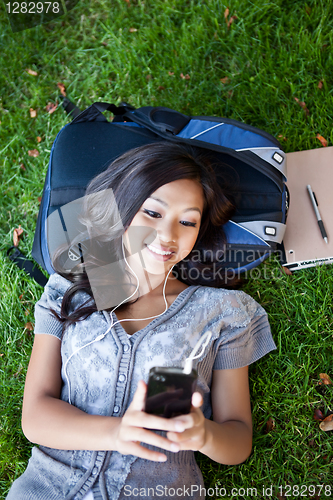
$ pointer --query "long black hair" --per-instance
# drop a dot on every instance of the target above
(131, 179)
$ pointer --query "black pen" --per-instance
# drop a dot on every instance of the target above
(315, 207)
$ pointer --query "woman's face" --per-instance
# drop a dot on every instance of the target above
(165, 229)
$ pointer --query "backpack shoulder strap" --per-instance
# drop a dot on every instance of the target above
(162, 121)
(94, 113)
(27, 265)
(69, 107)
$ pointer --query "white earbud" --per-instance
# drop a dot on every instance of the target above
(189, 361)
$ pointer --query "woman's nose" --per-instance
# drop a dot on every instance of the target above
(167, 233)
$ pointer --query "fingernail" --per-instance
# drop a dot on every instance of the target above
(179, 426)
(174, 447)
(162, 458)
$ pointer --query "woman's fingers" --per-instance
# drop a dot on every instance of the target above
(134, 448)
(137, 434)
(141, 419)
(138, 401)
(147, 421)
(197, 399)
(193, 436)
(135, 425)
(136, 415)
(183, 432)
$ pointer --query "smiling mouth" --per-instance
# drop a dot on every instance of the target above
(158, 251)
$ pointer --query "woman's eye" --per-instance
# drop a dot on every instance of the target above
(190, 224)
(151, 213)
(156, 215)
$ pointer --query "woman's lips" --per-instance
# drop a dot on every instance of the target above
(156, 252)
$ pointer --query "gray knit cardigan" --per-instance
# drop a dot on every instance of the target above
(102, 377)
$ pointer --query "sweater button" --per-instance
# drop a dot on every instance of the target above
(126, 347)
(122, 378)
(94, 471)
(116, 409)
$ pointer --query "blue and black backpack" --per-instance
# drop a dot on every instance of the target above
(87, 145)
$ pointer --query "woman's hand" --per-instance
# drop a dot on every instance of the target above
(134, 425)
(194, 435)
(226, 440)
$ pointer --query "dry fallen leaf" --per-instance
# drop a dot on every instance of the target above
(33, 113)
(185, 77)
(33, 152)
(320, 84)
(280, 136)
(132, 30)
(322, 140)
(270, 424)
(105, 44)
(318, 415)
(225, 79)
(149, 77)
(170, 73)
(161, 88)
(302, 104)
(327, 423)
(287, 271)
(62, 89)
(39, 199)
(231, 20)
(32, 72)
(22, 167)
(280, 496)
(324, 379)
(50, 108)
(29, 326)
(39, 139)
(17, 236)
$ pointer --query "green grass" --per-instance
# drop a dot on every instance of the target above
(274, 52)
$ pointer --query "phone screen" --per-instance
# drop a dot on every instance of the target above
(170, 391)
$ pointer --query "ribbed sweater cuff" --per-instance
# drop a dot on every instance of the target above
(50, 326)
(260, 343)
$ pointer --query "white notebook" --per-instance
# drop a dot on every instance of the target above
(303, 243)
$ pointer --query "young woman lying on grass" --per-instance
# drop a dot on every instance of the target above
(98, 332)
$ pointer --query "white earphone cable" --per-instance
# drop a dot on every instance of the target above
(101, 336)
(203, 341)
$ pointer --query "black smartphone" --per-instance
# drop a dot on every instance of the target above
(170, 391)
